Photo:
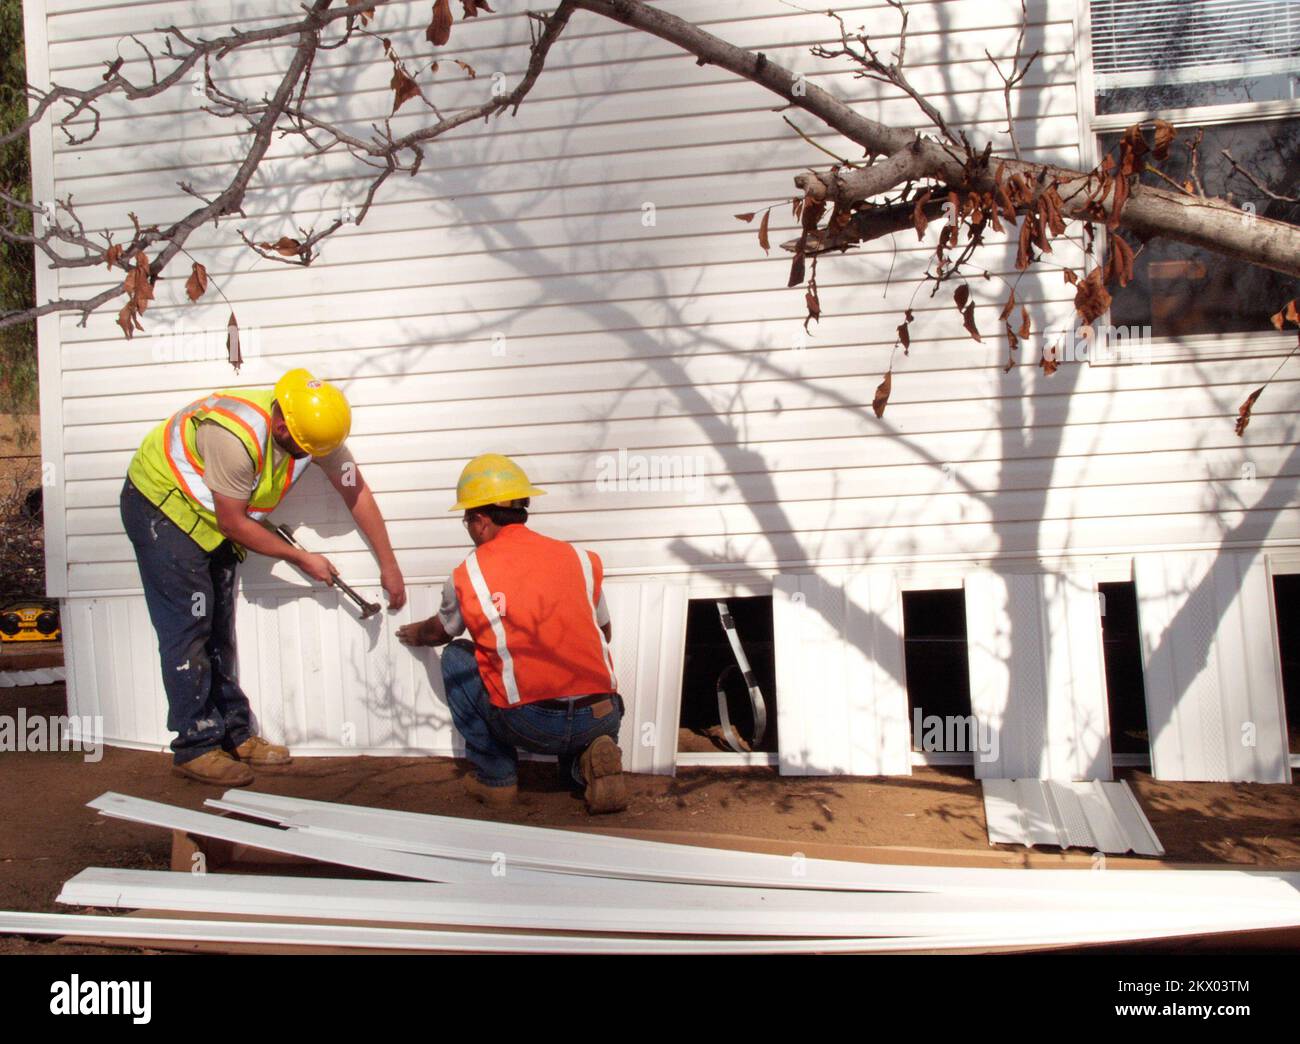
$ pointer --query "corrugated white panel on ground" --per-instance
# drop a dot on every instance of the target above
(1209, 651)
(1105, 817)
(35, 676)
(841, 689)
(1037, 676)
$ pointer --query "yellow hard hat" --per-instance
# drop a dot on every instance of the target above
(316, 413)
(492, 479)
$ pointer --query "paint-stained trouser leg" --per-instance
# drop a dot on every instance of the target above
(179, 593)
(227, 696)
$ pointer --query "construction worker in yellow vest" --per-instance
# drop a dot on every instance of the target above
(536, 671)
(195, 496)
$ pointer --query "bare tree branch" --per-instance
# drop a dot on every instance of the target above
(285, 113)
(1148, 211)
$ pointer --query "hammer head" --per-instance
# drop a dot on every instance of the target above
(369, 609)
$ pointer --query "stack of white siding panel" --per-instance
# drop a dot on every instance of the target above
(472, 886)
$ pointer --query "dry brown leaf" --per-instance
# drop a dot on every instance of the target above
(1165, 135)
(881, 399)
(1243, 411)
(367, 15)
(439, 30)
(137, 285)
(1007, 308)
(1048, 364)
(129, 319)
(762, 232)
(796, 269)
(1117, 203)
(232, 343)
(1291, 313)
(473, 7)
(919, 220)
(1091, 298)
(1024, 323)
(961, 295)
(113, 255)
(745, 217)
(968, 320)
(904, 333)
(197, 284)
(404, 88)
(469, 69)
(814, 306)
(284, 246)
(1287, 312)
(1070, 276)
(1023, 256)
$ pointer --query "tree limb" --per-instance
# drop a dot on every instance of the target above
(1149, 211)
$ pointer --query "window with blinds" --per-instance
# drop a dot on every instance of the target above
(1194, 52)
(1153, 57)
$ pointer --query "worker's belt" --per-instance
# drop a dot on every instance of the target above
(576, 702)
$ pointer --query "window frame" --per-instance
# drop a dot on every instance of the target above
(1189, 347)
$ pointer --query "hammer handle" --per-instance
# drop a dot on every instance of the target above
(362, 604)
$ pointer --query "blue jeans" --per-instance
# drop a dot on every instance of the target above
(191, 598)
(493, 733)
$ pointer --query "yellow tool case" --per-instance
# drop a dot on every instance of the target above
(29, 620)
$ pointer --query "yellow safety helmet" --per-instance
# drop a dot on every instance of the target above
(491, 478)
(316, 413)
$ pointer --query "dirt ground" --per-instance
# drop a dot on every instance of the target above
(47, 834)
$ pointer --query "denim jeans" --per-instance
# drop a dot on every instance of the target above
(493, 733)
(191, 598)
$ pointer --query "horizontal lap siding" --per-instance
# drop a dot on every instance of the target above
(509, 298)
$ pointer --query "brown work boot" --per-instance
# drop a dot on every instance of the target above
(216, 767)
(601, 765)
(257, 751)
(495, 796)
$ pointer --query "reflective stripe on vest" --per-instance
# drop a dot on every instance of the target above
(590, 581)
(489, 608)
(189, 471)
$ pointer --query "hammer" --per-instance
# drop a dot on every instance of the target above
(368, 609)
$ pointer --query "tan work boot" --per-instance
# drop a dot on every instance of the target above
(257, 751)
(495, 796)
(216, 767)
(601, 765)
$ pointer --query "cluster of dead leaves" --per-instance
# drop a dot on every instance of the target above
(138, 287)
(438, 32)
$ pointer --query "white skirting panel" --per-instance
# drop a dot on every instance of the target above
(649, 647)
(1209, 651)
(324, 682)
(1037, 676)
(840, 680)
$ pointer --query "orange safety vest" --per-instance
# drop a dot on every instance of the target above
(529, 603)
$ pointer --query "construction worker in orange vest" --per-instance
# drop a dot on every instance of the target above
(193, 502)
(536, 671)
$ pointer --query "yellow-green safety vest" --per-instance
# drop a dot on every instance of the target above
(168, 470)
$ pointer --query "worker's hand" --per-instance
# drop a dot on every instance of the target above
(394, 587)
(317, 567)
(412, 634)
